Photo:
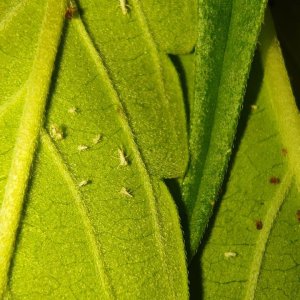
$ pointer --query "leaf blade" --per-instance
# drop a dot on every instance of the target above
(219, 87)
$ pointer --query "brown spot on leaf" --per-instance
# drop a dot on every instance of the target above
(259, 224)
(274, 180)
(284, 151)
(298, 215)
(70, 12)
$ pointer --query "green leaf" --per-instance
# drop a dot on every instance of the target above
(242, 260)
(224, 50)
(155, 103)
(84, 213)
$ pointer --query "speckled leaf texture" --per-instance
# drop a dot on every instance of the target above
(228, 32)
(252, 251)
(92, 120)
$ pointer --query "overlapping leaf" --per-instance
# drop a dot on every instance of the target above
(252, 251)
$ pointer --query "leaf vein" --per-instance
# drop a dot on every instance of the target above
(31, 120)
(96, 56)
(262, 240)
(11, 14)
(89, 228)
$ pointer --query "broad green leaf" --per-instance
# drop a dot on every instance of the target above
(240, 260)
(172, 23)
(155, 103)
(82, 215)
(227, 36)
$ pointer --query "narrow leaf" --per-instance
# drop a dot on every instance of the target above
(224, 50)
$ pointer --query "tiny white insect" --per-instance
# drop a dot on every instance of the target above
(230, 254)
(97, 139)
(125, 192)
(254, 107)
(124, 7)
(82, 148)
(56, 132)
(122, 158)
(73, 110)
(84, 182)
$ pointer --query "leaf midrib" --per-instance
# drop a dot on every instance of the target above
(282, 101)
(155, 56)
(12, 13)
(283, 104)
(95, 246)
(263, 238)
(27, 135)
(123, 118)
(209, 125)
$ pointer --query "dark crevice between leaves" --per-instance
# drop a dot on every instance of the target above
(173, 185)
(286, 20)
(253, 88)
(183, 81)
(56, 72)
(174, 188)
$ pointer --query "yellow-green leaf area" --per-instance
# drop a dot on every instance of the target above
(126, 42)
(89, 220)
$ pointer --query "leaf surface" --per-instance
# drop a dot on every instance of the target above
(156, 103)
(252, 250)
(82, 215)
(227, 36)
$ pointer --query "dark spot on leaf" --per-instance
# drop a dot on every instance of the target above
(284, 151)
(298, 215)
(259, 224)
(274, 180)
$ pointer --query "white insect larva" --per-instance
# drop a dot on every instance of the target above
(230, 254)
(122, 158)
(82, 148)
(125, 192)
(97, 139)
(73, 110)
(56, 132)
(124, 7)
(84, 183)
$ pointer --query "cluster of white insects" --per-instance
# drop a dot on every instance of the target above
(57, 134)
